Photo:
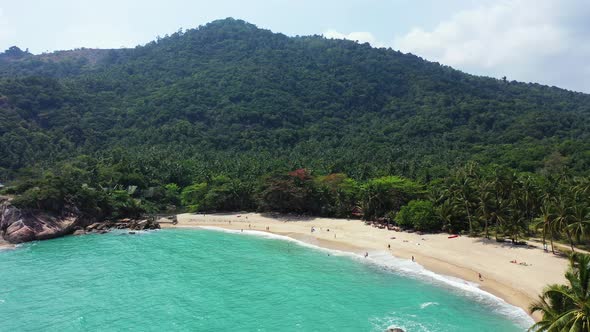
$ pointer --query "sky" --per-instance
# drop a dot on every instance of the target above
(543, 41)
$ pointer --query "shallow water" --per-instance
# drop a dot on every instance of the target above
(203, 280)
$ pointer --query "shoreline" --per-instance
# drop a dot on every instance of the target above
(6, 245)
(462, 257)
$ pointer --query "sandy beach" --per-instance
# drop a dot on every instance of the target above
(5, 245)
(461, 257)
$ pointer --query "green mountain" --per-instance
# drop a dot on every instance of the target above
(230, 98)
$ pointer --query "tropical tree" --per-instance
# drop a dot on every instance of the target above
(563, 217)
(446, 213)
(463, 192)
(484, 203)
(289, 192)
(339, 194)
(386, 194)
(566, 307)
(501, 184)
(192, 196)
(545, 221)
(529, 195)
(580, 220)
(516, 223)
(419, 215)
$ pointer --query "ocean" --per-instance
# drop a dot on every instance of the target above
(210, 280)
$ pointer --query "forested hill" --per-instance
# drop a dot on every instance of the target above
(230, 98)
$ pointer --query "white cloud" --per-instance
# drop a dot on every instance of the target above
(529, 40)
(360, 36)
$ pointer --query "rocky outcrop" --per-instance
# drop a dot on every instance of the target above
(394, 329)
(20, 225)
(23, 225)
(132, 224)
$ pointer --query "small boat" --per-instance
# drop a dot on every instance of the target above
(453, 236)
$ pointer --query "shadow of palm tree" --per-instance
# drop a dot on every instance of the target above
(506, 244)
(288, 216)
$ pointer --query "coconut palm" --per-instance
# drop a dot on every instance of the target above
(462, 192)
(563, 218)
(529, 193)
(502, 185)
(446, 213)
(484, 198)
(566, 307)
(580, 220)
(545, 221)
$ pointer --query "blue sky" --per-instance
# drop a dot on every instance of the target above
(544, 41)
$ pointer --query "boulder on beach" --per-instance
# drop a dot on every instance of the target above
(79, 232)
(24, 225)
(143, 224)
(20, 225)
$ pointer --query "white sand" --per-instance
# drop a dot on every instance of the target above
(461, 257)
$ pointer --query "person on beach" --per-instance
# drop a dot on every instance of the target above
(412, 258)
(480, 277)
(389, 246)
(366, 254)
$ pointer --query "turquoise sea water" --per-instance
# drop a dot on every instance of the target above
(203, 280)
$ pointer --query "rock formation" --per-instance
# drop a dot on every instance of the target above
(19, 225)
(132, 224)
(24, 225)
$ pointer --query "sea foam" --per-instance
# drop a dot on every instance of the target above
(427, 304)
(406, 267)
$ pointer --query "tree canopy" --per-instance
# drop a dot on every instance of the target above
(228, 116)
(230, 98)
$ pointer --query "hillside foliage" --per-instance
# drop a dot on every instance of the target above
(228, 116)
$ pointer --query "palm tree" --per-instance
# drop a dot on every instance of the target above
(563, 217)
(462, 192)
(502, 185)
(530, 196)
(445, 212)
(484, 201)
(545, 221)
(566, 307)
(580, 220)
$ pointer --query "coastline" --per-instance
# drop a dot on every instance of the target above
(461, 257)
(5, 245)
